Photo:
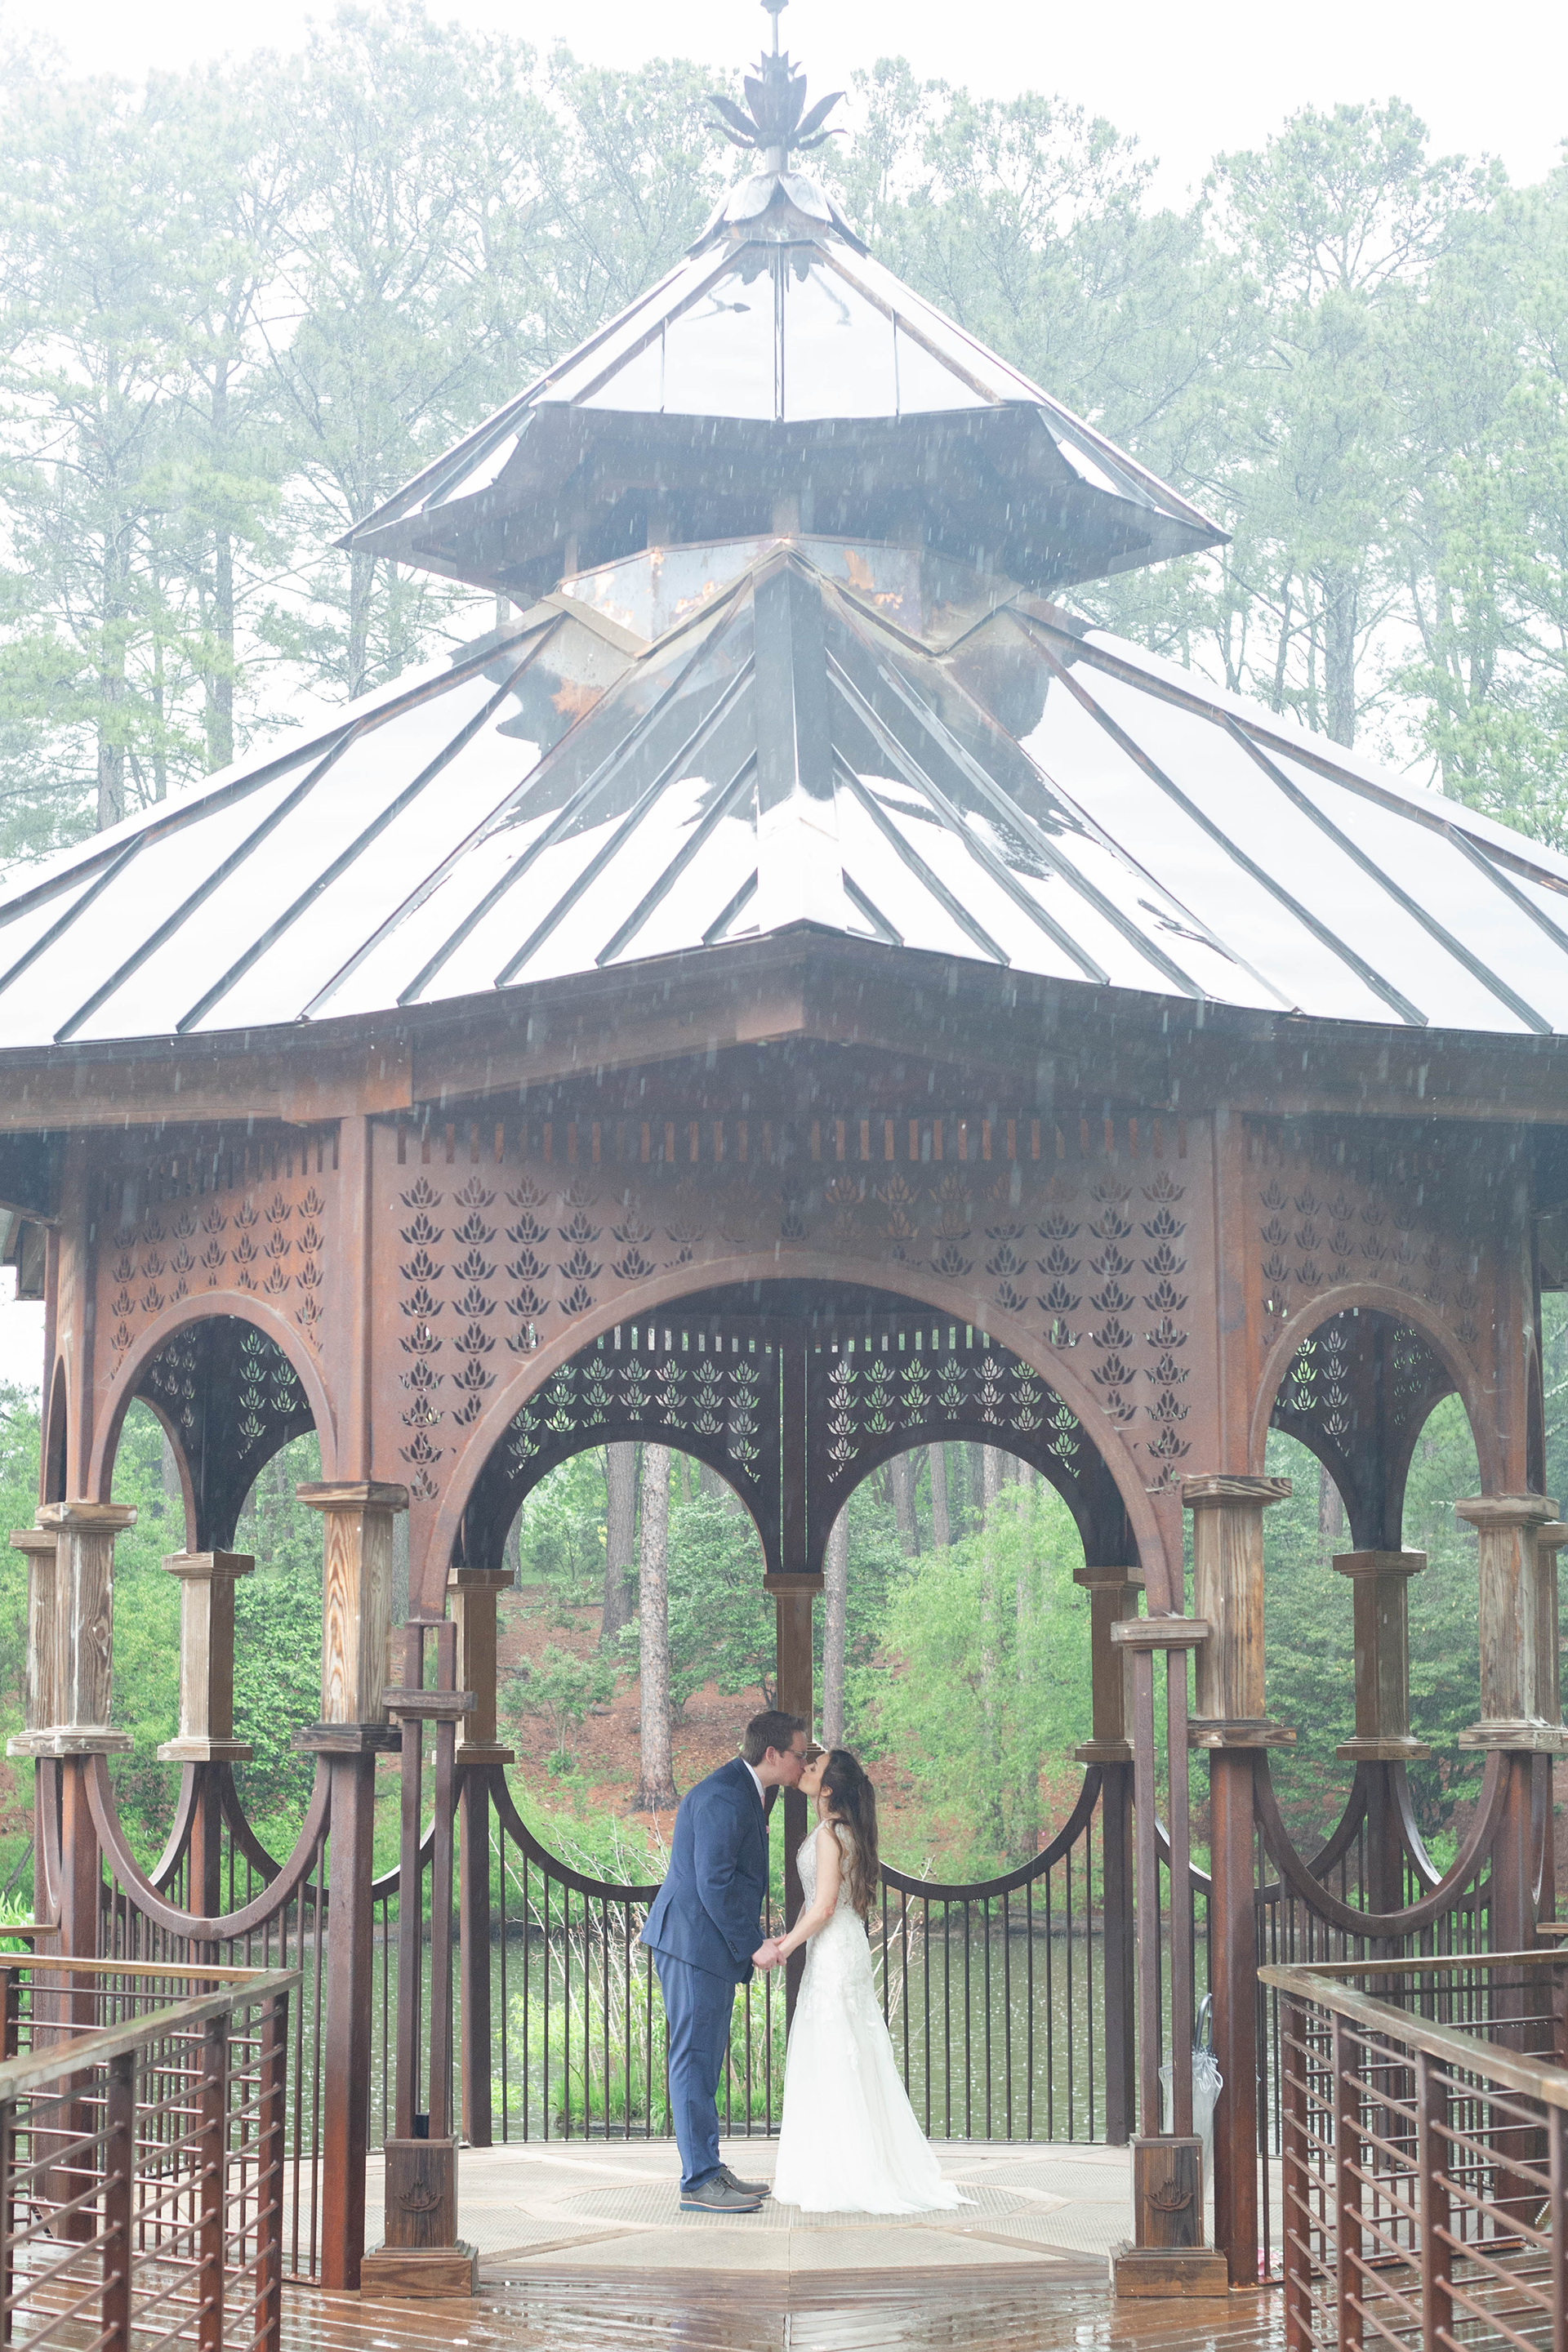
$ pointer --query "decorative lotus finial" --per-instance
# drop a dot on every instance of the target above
(777, 125)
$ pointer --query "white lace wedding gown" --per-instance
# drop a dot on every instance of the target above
(848, 2141)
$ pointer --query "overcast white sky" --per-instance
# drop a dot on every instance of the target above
(1188, 80)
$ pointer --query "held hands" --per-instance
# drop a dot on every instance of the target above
(767, 1954)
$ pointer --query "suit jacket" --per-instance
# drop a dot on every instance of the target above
(708, 1912)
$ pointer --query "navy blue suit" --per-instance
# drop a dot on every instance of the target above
(705, 1924)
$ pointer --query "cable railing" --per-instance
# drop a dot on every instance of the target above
(142, 2155)
(1425, 2152)
(1313, 1917)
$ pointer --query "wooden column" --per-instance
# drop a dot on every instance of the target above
(72, 1686)
(1167, 2256)
(356, 1607)
(474, 1595)
(83, 1625)
(207, 1579)
(1230, 1722)
(1380, 1583)
(1517, 1688)
(793, 1596)
(1113, 1596)
(38, 1544)
(421, 2253)
(1549, 1538)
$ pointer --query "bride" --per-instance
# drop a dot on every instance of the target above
(848, 2141)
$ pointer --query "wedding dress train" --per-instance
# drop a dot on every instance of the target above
(848, 2141)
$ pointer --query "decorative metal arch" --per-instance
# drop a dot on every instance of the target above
(795, 1408)
(1357, 1393)
(229, 1397)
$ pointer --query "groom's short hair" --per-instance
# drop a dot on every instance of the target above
(772, 1729)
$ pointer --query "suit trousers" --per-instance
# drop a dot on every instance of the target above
(696, 2008)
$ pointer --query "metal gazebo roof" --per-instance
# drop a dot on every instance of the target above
(779, 362)
(701, 744)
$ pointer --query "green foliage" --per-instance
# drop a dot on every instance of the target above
(560, 1540)
(144, 1681)
(562, 1687)
(278, 1642)
(985, 1675)
(721, 1623)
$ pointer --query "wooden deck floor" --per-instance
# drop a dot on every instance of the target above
(972, 2310)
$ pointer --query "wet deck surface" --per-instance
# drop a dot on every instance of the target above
(583, 2246)
(1016, 2308)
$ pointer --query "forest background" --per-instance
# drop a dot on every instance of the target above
(241, 306)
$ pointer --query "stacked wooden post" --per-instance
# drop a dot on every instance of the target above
(1113, 1596)
(206, 1744)
(70, 1642)
(1383, 1741)
(1520, 1706)
(475, 1591)
(421, 2253)
(1230, 1720)
(1167, 2256)
(356, 1611)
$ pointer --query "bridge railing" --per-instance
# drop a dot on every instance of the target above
(141, 2156)
(1425, 2152)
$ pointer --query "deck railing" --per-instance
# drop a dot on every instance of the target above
(1425, 2153)
(141, 2156)
(995, 1992)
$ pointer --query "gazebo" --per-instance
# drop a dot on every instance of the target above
(792, 990)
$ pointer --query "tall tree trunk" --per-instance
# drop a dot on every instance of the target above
(903, 1470)
(361, 583)
(941, 1532)
(836, 1593)
(620, 1539)
(1338, 654)
(655, 1790)
(974, 1489)
(110, 805)
(220, 679)
(1331, 1513)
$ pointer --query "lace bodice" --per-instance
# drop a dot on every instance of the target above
(837, 1973)
(805, 1863)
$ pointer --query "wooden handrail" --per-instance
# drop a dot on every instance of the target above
(18, 2077)
(1467, 2052)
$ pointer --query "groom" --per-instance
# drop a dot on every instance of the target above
(705, 1932)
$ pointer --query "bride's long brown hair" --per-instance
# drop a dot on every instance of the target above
(853, 1801)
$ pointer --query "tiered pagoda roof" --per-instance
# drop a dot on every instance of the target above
(786, 544)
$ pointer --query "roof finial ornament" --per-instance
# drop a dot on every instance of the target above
(776, 125)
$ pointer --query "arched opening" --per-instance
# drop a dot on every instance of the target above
(953, 1650)
(1369, 1426)
(813, 1407)
(212, 1442)
(637, 1570)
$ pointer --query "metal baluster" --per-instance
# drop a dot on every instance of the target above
(1029, 2009)
(1007, 2007)
(499, 1850)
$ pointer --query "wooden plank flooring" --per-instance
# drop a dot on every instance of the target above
(977, 2309)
